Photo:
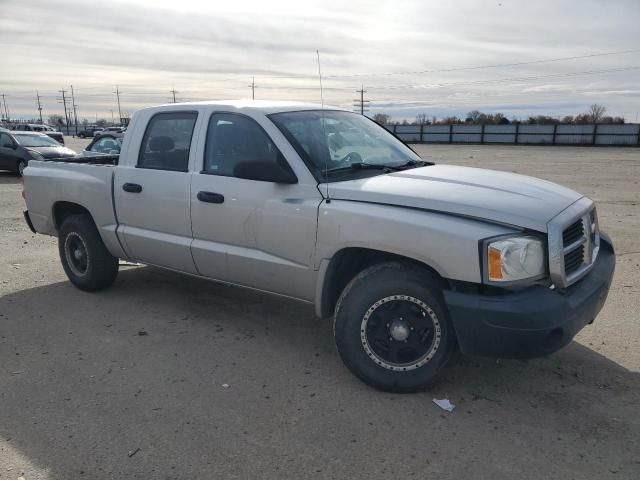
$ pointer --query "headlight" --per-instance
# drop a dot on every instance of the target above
(35, 155)
(512, 259)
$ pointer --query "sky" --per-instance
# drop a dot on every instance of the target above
(432, 57)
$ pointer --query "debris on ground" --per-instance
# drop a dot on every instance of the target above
(226, 385)
(444, 404)
(133, 452)
(143, 333)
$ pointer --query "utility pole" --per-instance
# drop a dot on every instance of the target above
(117, 92)
(39, 106)
(64, 102)
(112, 120)
(174, 94)
(6, 112)
(361, 103)
(253, 88)
(75, 111)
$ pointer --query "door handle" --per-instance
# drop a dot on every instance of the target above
(132, 187)
(210, 197)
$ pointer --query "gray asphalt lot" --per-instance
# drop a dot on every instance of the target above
(127, 383)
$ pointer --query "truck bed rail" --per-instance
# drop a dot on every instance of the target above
(97, 160)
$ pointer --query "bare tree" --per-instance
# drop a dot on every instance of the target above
(421, 119)
(56, 120)
(596, 112)
(475, 116)
(382, 118)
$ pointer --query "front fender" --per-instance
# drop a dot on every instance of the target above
(446, 243)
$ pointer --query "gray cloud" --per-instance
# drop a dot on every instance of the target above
(210, 51)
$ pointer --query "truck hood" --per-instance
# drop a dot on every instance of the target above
(490, 195)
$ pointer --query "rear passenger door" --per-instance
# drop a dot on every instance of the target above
(152, 197)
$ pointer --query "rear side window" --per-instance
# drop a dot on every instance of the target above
(167, 140)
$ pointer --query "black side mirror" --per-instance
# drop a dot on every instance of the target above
(9, 145)
(264, 172)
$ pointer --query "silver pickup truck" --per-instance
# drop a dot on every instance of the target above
(323, 205)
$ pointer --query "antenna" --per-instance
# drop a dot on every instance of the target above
(326, 165)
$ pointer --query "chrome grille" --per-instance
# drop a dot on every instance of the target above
(573, 260)
(573, 233)
(574, 242)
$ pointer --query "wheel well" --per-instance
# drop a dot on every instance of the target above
(62, 210)
(347, 263)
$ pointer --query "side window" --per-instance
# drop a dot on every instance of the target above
(233, 139)
(5, 140)
(106, 145)
(167, 140)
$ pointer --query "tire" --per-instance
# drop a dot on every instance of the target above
(20, 166)
(85, 259)
(392, 328)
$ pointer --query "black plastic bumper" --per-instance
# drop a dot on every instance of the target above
(27, 219)
(533, 322)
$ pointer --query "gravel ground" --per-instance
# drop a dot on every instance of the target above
(128, 383)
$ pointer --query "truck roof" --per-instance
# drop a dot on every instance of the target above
(257, 106)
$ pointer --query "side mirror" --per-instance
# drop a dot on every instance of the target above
(9, 145)
(264, 172)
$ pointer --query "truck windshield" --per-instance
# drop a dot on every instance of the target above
(35, 140)
(343, 143)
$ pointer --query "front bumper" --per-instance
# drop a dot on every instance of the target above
(533, 322)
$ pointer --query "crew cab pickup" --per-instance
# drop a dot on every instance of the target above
(411, 259)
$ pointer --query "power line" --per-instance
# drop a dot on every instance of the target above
(480, 67)
(512, 79)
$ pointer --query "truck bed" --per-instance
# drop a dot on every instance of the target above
(56, 184)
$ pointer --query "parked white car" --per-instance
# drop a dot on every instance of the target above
(325, 206)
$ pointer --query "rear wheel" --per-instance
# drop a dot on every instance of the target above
(392, 329)
(85, 259)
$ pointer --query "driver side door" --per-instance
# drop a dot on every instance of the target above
(8, 152)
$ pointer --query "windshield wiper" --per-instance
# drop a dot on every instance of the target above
(362, 166)
(413, 164)
(380, 166)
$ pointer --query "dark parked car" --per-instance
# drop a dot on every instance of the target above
(88, 132)
(36, 127)
(17, 148)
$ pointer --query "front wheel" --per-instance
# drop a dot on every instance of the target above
(85, 259)
(392, 329)
(22, 164)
